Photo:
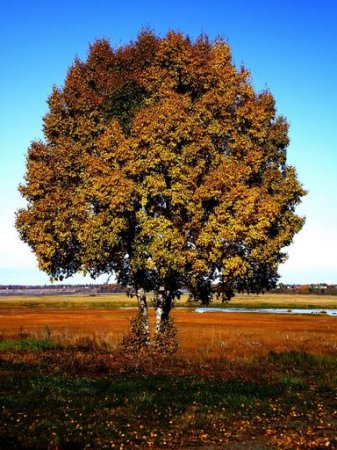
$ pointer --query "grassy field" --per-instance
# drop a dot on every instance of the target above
(120, 300)
(68, 301)
(238, 381)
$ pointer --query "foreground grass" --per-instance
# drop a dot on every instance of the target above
(68, 398)
(239, 381)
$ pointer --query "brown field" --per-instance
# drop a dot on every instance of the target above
(206, 335)
(239, 381)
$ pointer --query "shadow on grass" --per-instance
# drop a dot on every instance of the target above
(303, 360)
(38, 409)
(41, 409)
(135, 390)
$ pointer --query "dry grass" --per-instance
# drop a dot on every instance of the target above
(118, 300)
(286, 300)
(67, 301)
(223, 390)
(207, 335)
(246, 335)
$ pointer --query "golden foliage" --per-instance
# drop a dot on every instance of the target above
(162, 164)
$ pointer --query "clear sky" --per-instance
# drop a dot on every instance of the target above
(289, 47)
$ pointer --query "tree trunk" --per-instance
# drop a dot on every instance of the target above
(143, 313)
(163, 306)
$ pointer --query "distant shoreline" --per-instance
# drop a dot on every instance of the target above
(114, 288)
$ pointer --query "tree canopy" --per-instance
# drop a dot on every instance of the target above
(163, 166)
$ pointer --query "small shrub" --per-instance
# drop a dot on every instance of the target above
(137, 338)
(166, 341)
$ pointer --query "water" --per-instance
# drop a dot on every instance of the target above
(328, 312)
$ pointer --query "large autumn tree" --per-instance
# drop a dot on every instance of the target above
(163, 166)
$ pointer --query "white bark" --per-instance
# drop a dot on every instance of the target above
(142, 306)
(163, 306)
(159, 316)
(159, 309)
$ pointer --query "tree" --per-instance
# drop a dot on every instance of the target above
(162, 165)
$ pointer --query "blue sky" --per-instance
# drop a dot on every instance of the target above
(289, 47)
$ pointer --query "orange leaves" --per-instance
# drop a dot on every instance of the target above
(154, 184)
(162, 163)
(164, 244)
(112, 144)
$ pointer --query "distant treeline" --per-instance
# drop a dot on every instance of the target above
(314, 289)
(65, 289)
(114, 288)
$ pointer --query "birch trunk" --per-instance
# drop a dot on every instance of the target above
(143, 312)
(163, 306)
